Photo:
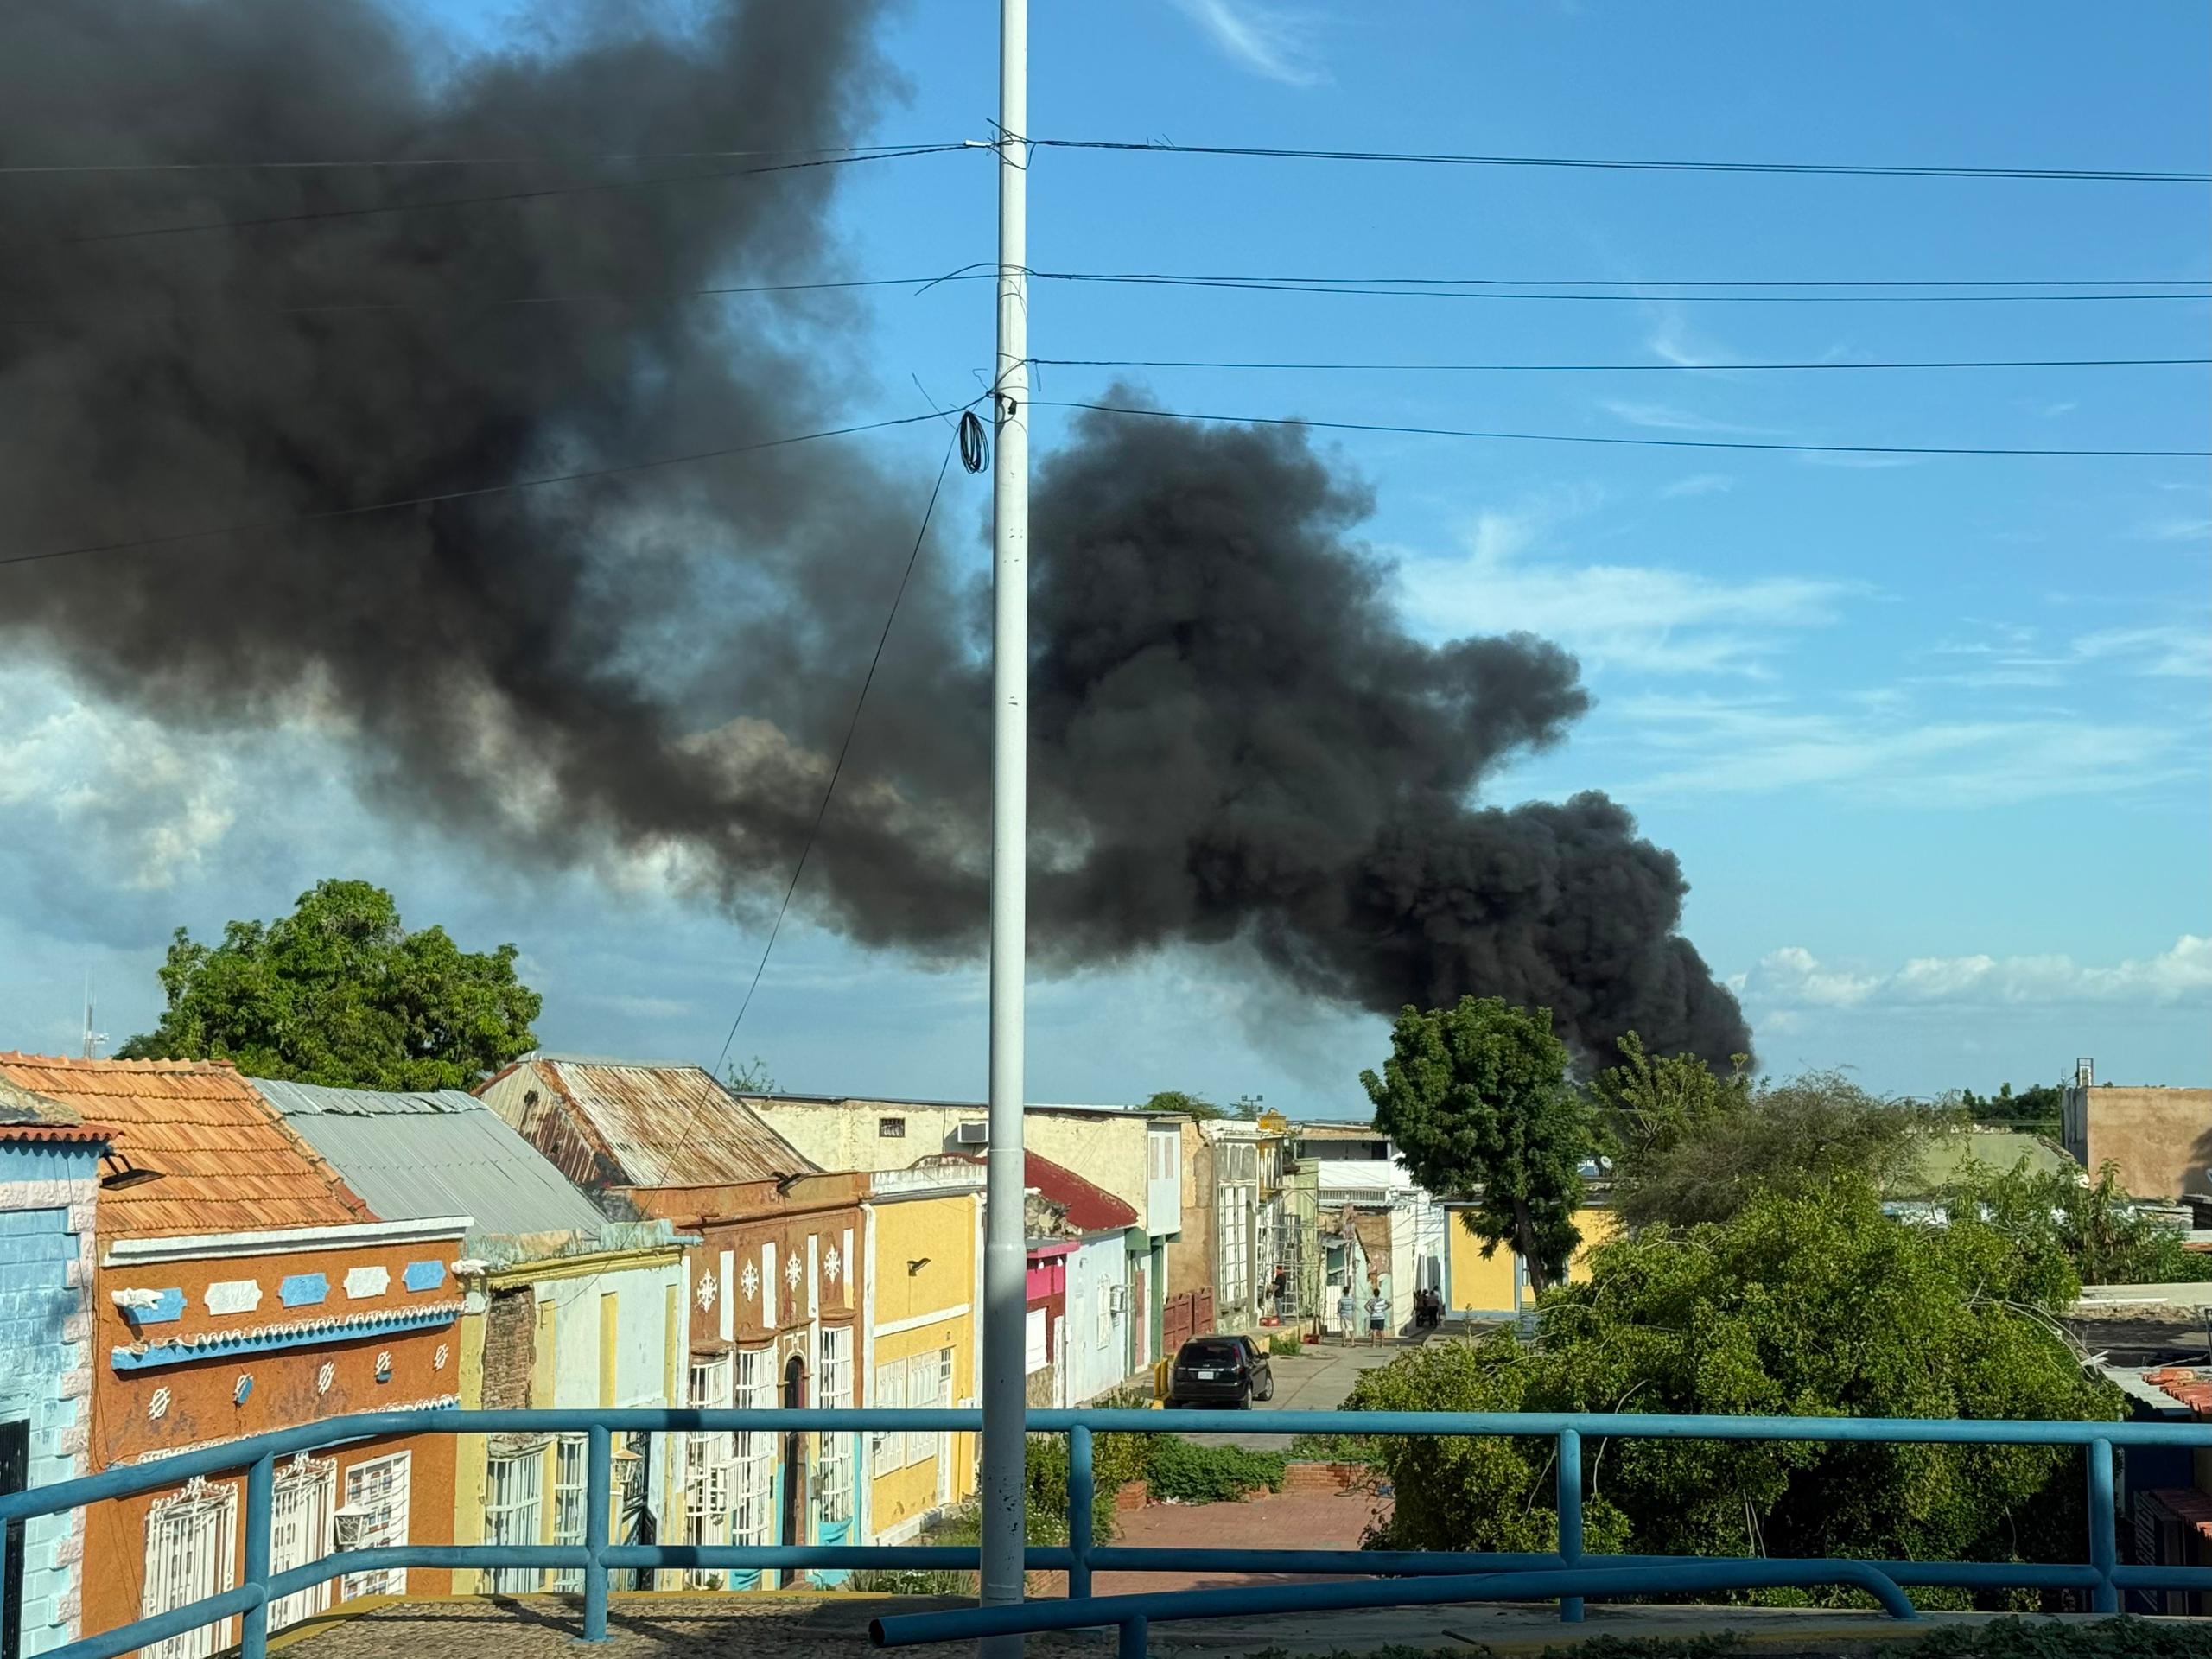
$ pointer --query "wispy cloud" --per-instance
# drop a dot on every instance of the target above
(1794, 978)
(2178, 530)
(1652, 618)
(1268, 40)
(1664, 417)
(2169, 651)
(1699, 483)
(1711, 745)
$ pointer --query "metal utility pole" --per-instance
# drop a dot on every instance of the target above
(1005, 1256)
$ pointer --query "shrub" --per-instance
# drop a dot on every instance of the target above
(1285, 1343)
(1182, 1472)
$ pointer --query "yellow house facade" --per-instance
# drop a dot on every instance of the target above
(1497, 1284)
(924, 1230)
(588, 1329)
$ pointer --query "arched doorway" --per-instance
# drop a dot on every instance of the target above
(795, 1469)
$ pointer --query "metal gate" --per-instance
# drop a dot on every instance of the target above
(189, 1541)
(299, 1532)
(1188, 1315)
(377, 1491)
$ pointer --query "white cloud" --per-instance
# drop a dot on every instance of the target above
(1707, 746)
(1794, 978)
(2169, 651)
(1267, 40)
(1651, 619)
(2178, 530)
(1664, 417)
(1699, 483)
(142, 806)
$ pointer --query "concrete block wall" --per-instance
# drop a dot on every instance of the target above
(46, 1194)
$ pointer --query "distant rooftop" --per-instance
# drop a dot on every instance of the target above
(654, 1126)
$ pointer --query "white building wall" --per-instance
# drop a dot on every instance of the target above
(1097, 1335)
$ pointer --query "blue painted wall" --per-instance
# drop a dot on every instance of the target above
(44, 1358)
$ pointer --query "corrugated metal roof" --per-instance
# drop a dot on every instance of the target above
(227, 1162)
(419, 1155)
(671, 1125)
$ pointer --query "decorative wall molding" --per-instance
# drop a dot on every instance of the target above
(363, 1282)
(284, 1241)
(304, 1289)
(424, 1275)
(233, 1296)
(177, 1350)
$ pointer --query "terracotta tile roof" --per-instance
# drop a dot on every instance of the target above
(227, 1162)
(657, 1126)
(2187, 1505)
(2192, 1389)
(28, 1116)
(1089, 1209)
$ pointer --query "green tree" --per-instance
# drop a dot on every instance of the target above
(1477, 1098)
(338, 992)
(752, 1077)
(2092, 1226)
(1174, 1100)
(2038, 1110)
(1811, 1304)
(1687, 1153)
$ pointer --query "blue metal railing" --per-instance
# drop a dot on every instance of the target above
(1404, 1577)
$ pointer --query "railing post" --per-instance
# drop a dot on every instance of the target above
(1568, 1491)
(2104, 1528)
(1082, 1500)
(598, 1497)
(1134, 1635)
(260, 1510)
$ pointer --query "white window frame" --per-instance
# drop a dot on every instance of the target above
(753, 1510)
(304, 1496)
(707, 1466)
(925, 1391)
(887, 1447)
(395, 1474)
(514, 1513)
(191, 1549)
(570, 1495)
(1232, 1246)
(833, 1371)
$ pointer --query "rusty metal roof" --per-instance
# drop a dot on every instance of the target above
(227, 1162)
(667, 1126)
(25, 1116)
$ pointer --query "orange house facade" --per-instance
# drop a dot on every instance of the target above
(241, 1287)
(773, 1283)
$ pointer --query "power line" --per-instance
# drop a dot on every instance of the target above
(962, 274)
(1655, 443)
(968, 442)
(1607, 368)
(1620, 164)
(860, 151)
(1673, 282)
(505, 195)
(512, 484)
(983, 271)
(1438, 288)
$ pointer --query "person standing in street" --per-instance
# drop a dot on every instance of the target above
(1378, 1315)
(1347, 1315)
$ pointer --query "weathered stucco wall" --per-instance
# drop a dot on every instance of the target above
(2161, 1139)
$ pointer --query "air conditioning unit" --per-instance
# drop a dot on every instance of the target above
(1117, 1298)
(349, 1527)
(975, 1134)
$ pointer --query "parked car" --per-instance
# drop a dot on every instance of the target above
(1226, 1369)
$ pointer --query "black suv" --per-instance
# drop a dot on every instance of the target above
(1219, 1367)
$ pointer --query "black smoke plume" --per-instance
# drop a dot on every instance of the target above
(1235, 739)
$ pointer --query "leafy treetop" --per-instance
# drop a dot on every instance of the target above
(1193, 1106)
(1477, 1098)
(1810, 1304)
(339, 993)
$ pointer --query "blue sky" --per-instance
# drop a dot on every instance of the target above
(1930, 738)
